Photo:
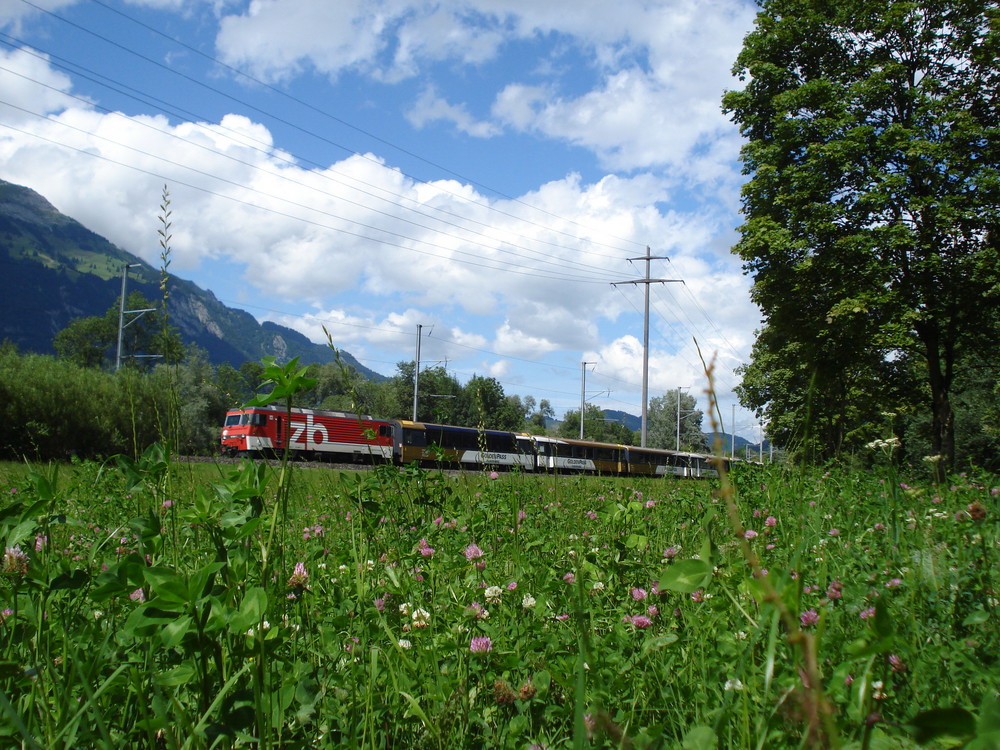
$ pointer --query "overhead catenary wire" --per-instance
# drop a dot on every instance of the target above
(282, 120)
(322, 173)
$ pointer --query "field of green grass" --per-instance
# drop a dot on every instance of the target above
(163, 605)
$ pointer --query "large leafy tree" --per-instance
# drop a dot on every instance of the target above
(663, 421)
(873, 152)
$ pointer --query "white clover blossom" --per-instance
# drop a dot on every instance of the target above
(733, 684)
(528, 601)
(405, 644)
(493, 594)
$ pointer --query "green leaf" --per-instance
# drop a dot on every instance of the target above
(686, 576)
(700, 738)
(939, 722)
(174, 632)
(251, 611)
(75, 580)
(976, 618)
(182, 674)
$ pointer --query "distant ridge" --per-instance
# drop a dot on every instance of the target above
(54, 270)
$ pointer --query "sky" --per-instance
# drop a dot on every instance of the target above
(486, 170)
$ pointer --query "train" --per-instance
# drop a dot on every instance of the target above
(323, 435)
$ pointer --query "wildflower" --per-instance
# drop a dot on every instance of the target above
(834, 532)
(638, 594)
(404, 609)
(512, 585)
(652, 610)
(502, 694)
(494, 475)
(8, 612)
(137, 596)
(425, 549)
(380, 604)
(563, 616)
(893, 583)
(877, 692)
(481, 645)
(749, 534)
(472, 552)
(733, 684)
(770, 521)
(569, 578)
(670, 553)
(834, 590)
(527, 691)
(420, 618)
(492, 594)
(15, 562)
(698, 596)
(867, 613)
(591, 515)
(809, 618)
(977, 511)
(879, 527)
(896, 663)
(638, 621)
(528, 601)
(478, 611)
(300, 577)
(405, 644)
(650, 503)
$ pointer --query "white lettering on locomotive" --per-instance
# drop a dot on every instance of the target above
(311, 429)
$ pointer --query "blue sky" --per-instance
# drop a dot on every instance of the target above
(482, 168)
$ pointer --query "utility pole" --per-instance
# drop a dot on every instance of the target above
(645, 330)
(416, 373)
(686, 412)
(122, 312)
(583, 392)
(732, 438)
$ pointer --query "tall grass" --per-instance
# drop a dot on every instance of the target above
(415, 609)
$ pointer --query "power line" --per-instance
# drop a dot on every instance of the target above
(286, 122)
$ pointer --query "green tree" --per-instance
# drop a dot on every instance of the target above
(596, 427)
(874, 163)
(662, 423)
(482, 403)
(87, 341)
(92, 341)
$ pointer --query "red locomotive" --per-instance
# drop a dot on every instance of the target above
(310, 433)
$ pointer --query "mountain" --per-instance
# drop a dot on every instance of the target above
(54, 270)
(742, 445)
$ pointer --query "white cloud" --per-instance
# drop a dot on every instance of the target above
(31, 87)
(431, 107)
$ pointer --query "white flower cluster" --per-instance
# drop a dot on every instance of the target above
(888, 445)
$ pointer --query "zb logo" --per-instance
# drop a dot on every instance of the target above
(315, 433)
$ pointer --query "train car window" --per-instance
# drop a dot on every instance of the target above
(384, 430)
(258, 420)
(232, 420)
(416, 438)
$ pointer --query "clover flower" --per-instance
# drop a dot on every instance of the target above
(472, 552)
(15, 562)
(481, 645)
(299, 577)
(638, 621)
(493, 594)
(809, 618)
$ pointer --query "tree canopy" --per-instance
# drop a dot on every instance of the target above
(871, 212)
(662, 423)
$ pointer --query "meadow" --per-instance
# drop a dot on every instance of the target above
(149, 603)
